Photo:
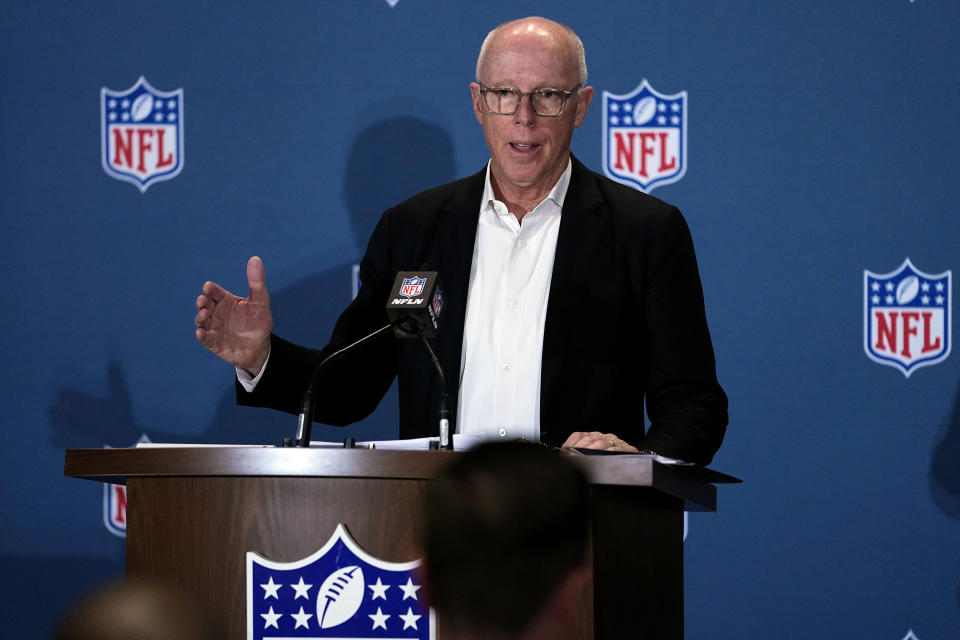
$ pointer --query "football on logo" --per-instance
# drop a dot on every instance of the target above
(907, 317)
(645, 137)
(141, 133)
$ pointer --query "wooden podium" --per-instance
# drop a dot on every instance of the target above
(194, 512)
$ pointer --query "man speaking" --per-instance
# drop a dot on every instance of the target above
(570, 299)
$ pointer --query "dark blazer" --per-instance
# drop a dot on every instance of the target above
(625, 323)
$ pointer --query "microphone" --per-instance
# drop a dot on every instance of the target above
(414, 308)
(415, 304)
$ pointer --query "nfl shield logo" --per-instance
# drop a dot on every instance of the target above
(412, 287)
(907, 317)
(645, 137)
(141, 133)
(338, 592)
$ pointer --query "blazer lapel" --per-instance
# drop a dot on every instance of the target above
(582, 225)
(458, 233)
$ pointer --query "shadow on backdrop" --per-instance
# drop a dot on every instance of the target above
(945, 470)
(388, 162)
(945, 465)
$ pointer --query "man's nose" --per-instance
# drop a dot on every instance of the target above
(525, 112)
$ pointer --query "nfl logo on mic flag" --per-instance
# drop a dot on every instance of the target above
(141, 133)
(339, 592)
(907, 317)
(412, 287)
(645, 137)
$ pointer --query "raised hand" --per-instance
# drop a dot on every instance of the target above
(237, 329)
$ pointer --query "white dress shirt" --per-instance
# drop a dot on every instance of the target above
(506, 311)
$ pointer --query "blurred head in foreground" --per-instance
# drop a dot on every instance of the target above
(504, 542)
(135, 610)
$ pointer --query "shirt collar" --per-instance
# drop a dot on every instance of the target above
(557, 194)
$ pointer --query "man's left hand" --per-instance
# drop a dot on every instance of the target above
(597, 440)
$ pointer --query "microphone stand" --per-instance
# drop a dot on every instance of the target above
(445, 410)
(305, 421)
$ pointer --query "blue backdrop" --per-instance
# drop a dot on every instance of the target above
(821, 143)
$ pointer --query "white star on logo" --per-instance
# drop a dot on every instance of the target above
(939, 300)
(614, 120)
(301, 618)
(889, 299)
(270, 589)
(410, 619)
(661, 120)
(614, 107)
(301, 589)
(379, 589)
(875, 286)
(675, 106)
(889, 286)
(661, 106)
(271, 619)
(172, 104)
(925, 299)
(876, 299)
(940, 286)
(925, 286)
(125, 104)
(675, 120)
(379, 619)
(409, 589)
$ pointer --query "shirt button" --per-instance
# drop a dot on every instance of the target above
(506, 367)
(522, 243)
(502, 432)
(512, 304)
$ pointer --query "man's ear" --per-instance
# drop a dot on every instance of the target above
(586, 97)
(479, 106)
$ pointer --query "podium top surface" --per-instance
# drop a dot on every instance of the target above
(116, 465)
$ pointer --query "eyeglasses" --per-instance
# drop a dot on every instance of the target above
(547, 101)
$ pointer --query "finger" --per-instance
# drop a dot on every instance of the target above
(205, 337)
(202, 319)
(598, 443)
(597, 440)
(586, 440)
(215, 292)
(572, 439)
(257, 280)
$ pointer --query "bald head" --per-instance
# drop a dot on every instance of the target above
(551, 37)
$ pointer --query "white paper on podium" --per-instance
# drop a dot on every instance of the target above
(460, 443)
(169, 445)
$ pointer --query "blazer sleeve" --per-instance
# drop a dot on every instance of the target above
(686, 406)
